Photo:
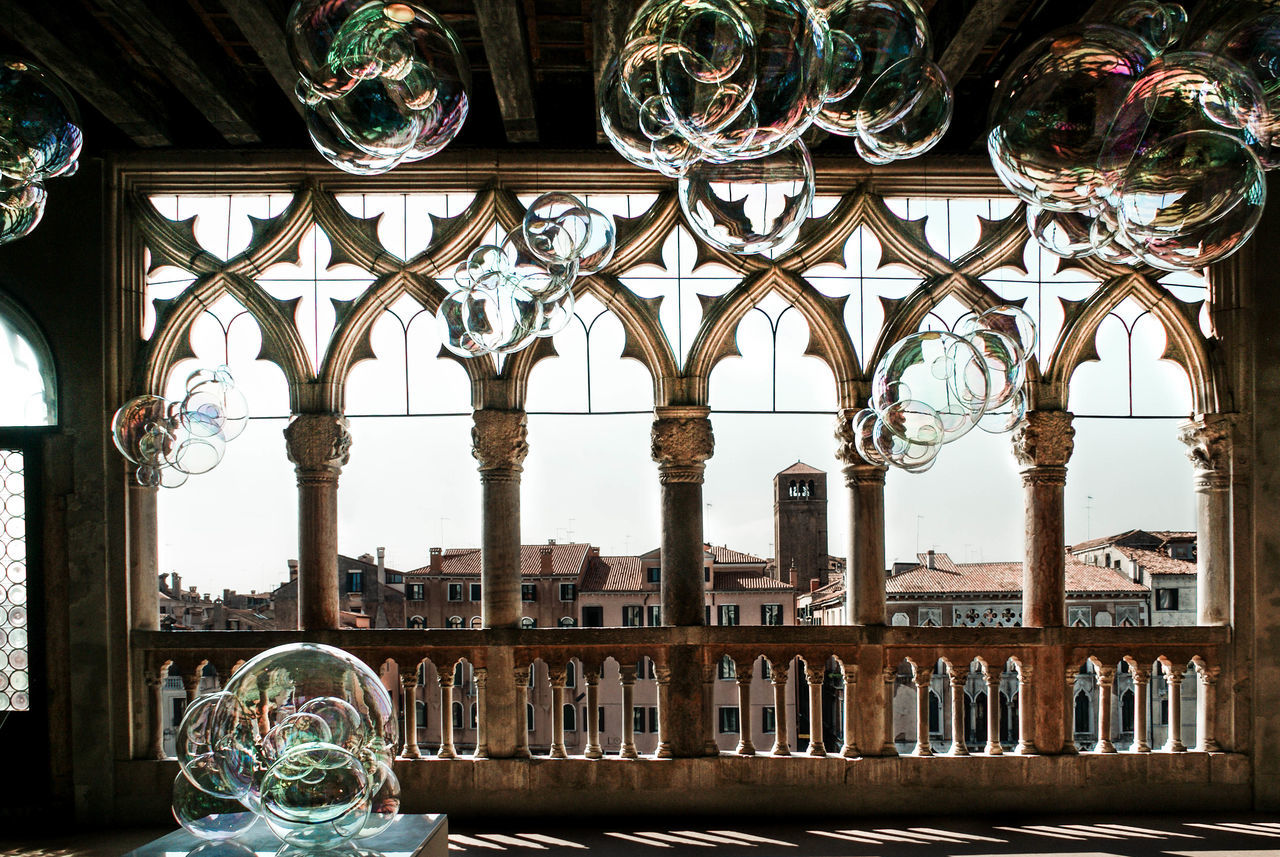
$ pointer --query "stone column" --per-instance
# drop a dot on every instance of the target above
(1141, 708)
(409, 696)
(864, 577)
(499, 445)
(627, 678)
(521, 681)
(1208, 439)
(447, 750)
(1106, 681)
(481, 676)
(1206, 708)
(1026, 708)
(155, 684)
(1069, 713)
(662, 675)
(318, 445)
(922, 678)
(850, 748)
(1042, 445)
(992, 673)
(782, 735)
(144, 557)
(681, 443)
(710, 747)
(191, 684)
(592, 678)
(1173, 680)
(746, 745)
(889, 677)
(814, 675)
(557, 677)
(958, 676)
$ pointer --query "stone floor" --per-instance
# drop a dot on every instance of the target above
(1120, 836)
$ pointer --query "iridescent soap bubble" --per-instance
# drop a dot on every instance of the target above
(383, 798)
(942, 371)
(208, 816)
(1160, 24)
(21, 207)
(1064, 233)
(381, 82)
(749, 206)
(499, 316)
(557, 227)
(313, 783)
(905, 111)
(40, 136)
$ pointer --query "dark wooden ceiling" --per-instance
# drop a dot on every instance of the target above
(203, 74)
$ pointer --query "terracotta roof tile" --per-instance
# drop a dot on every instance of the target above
(728, 556)
(1005, 577)
(614, 574)
(1156, 562)
(1099, 542)
(740, 581)
(801, 467)
(566, 561)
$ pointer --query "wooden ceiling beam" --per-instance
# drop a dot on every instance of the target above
(506, 46)
(974, 33)
(265, 35)
(201, 82)
(86, 69)
(609, 20)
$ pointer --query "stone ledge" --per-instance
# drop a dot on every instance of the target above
(796, 785)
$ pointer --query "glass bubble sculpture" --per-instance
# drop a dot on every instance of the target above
(1131, 151)
(169, 441)
(717, 94)
(510, 295)
(301, 736)
(381, 83)
(40, 139)
(933, 387)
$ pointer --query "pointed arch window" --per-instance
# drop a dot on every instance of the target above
(30, 393)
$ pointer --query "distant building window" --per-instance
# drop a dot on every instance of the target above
(727, 670)
(770, 614)
(706, 574)
(655, 615)
(475, 715)
(395, 578)
(457, 715)
(1167, 598)
(475, 592)
(454, 622)
(418, 592)
(1107, 560)
(528, 716)
(768, 720)
(417, 622)
(728, 720)
(632, 616)
(568, 592)
(528, 622)
(653, 718)
(528, 592)
(930, 617)
(355, 581)
(1128, 616)
(1079, 617)
(766, 669)
(707, 608)
(593, 617)
(570, 675)
(654, 574)
(455, 591)
(644, 668)
(728, 614)
(567, 622)
(570, 719)
(637, 719)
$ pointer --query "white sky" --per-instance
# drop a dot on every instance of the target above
(412, 484)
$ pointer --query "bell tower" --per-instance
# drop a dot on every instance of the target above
(800, 524)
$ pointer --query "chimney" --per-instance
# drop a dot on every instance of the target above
(436, 558)
(929, 557)
(293, 570)
(226, 595)
(814, 583)
(176, 587)
(795, 578)
(382, 565)
(544, 567)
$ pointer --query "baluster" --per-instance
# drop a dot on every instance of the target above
(1141, 708)
(710, 746)
(815, 675)
(662, 673)
(746, 747)
(850, 748)
(992, 674)
(521, 675)
(1206, 708)
(155, 684)
(627, 678)
(447, 750)
(958, 676)
(592, 678)
(408, 700)
(557, 676)
(1173, 679)
(889, 678)
(1106, 681)
(1026, 713)
(481, 677)
(781, 739)
(922, 677)
(1069, 715)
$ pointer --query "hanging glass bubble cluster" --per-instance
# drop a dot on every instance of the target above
(170, 441)
(301, 736)
(1136, 153)
(510, 295)
(717, 93)
(381, 83)
(40, 139)
(932, 387)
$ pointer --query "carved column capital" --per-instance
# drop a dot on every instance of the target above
(743, 676)
(921, 677)
(662, 674)
(1208, 675)
(959, 675)
(556, 676)
(1044, 441)
(780, 676)
(681, 442)
(319, 445)
(499, 441)
(480, 675)
(1141, 675)
(857, 470)
(409, 680)
(815, 674)
(1208, 440)
(1106, 676)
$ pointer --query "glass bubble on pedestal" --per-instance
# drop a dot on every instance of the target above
(208, 816)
